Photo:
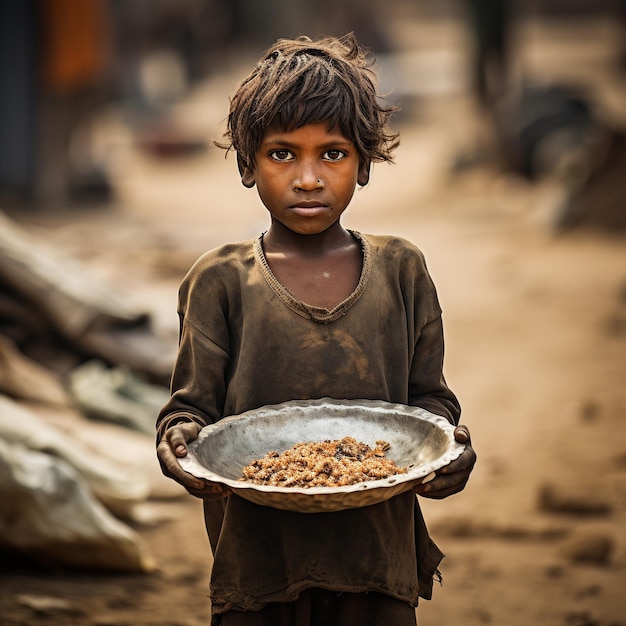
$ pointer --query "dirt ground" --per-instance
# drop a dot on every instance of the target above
(536, 350)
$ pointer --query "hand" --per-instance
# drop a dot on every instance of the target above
(453, 477)
(172, 447)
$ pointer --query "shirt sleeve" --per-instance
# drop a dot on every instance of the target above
(427, 385)
(198, 384)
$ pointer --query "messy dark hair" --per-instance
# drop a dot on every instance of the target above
(301, 81)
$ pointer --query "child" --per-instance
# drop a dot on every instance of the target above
(310, 310)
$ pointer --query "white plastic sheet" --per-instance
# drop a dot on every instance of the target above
(50, 513)
(118, 487)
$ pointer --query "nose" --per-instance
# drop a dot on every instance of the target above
(307, 179)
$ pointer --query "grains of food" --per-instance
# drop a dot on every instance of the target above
(330, 463)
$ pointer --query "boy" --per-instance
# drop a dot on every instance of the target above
(310, 310)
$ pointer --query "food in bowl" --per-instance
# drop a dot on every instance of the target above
(328, 463)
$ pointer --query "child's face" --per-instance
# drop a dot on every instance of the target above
(306, 177)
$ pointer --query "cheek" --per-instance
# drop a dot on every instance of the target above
(345, 184)
(268, 193)
(269, 182)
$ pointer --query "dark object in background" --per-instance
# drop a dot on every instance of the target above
(55, 59)
(553, 132)
(544, 124)
(489, 24)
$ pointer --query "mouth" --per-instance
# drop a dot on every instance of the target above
(304, 204)
(309, 208)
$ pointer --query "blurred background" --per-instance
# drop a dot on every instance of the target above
(531, 68)
(510, 176)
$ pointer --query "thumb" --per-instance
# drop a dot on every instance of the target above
(461, 434)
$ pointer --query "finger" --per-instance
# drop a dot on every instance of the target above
(462, 434)
(190, 482)
(465, 462)
(429, 477)
(173, 468)
(179, 436)
(445, 481)
(459, 464)
(211, 491)
(443, 486)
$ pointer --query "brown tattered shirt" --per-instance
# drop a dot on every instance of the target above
(245, 342)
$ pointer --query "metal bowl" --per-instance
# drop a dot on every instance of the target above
(419, 440)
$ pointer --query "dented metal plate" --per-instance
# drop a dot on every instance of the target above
(418, 440)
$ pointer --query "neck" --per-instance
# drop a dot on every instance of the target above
(279, 239)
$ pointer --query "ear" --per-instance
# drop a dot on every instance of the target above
(246, 172)
(364, 173)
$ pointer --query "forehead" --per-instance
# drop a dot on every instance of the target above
(314, 133)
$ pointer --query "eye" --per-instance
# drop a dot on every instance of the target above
(281, 155)
(334, 155)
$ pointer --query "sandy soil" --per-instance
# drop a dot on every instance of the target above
(536, 338)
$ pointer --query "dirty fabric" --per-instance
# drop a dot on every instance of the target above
(245, 342)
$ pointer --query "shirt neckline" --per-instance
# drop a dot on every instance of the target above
(314, 313)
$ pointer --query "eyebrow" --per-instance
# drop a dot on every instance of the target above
(343, 141)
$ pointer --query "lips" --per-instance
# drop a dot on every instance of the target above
(304, 204)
